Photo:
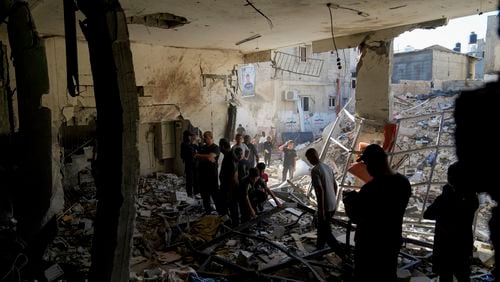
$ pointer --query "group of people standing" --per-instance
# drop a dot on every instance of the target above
(378, 209)
(239, 189)
(243, 190)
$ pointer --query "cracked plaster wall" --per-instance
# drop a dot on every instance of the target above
(169, 76)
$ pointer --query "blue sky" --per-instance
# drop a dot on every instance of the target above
(457, 30)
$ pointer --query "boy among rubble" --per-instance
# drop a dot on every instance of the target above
(453, 212)
(261, 167)
(262, 172)
(253, 194)
(378, 210)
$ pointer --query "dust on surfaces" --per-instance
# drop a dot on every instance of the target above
(176, 85)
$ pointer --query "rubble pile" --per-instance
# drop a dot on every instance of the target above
(423, 150)
(71, 247)
(162, 209)
(174, 241)
(172, 234)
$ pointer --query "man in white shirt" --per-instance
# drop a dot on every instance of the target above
(325, 187)
(239, 144)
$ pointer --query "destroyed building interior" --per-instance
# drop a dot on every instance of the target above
(97, 96)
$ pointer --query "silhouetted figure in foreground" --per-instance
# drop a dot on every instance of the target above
(476, 116)
(377, 210)
(453, 212)
(228, 177)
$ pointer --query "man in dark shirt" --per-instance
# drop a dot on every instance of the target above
(378, 210)
(208, 157)
(289, 159)
(268, 149)
(453, 212)
(228, 177)
(481, 102)
(240, 130)
(241, 162)
(188, 150)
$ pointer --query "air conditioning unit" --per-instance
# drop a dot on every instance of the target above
(165, 138)
(291, 95)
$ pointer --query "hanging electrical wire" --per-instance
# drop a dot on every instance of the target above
(260, 12)
(339, 64)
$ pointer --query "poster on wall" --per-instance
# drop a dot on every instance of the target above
(247, 80)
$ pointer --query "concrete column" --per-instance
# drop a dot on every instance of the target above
(5, 104)
(35, 139)
(117, 119)
(373, 81)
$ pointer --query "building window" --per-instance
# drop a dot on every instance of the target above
(331, 102)
(303, 54)
(305, 104)
(353, 83)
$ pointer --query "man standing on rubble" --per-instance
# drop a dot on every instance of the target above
(289, 159)
(208, 172)
(378, 210)
(228, 177)
(325, 188)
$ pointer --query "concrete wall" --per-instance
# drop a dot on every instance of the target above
(479, 53)
(412, 66)
(66, 109)
(492, 49)
(268, 111)
(173, 76)
(458, 85)
(432, 64)
(411, 86)
(450, 66)
(168, 75)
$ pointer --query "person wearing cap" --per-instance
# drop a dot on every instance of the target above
(378, 210)
(325, 188)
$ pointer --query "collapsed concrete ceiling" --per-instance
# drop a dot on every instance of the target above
(220, 24)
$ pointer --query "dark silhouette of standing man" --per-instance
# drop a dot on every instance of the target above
(385, 196)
